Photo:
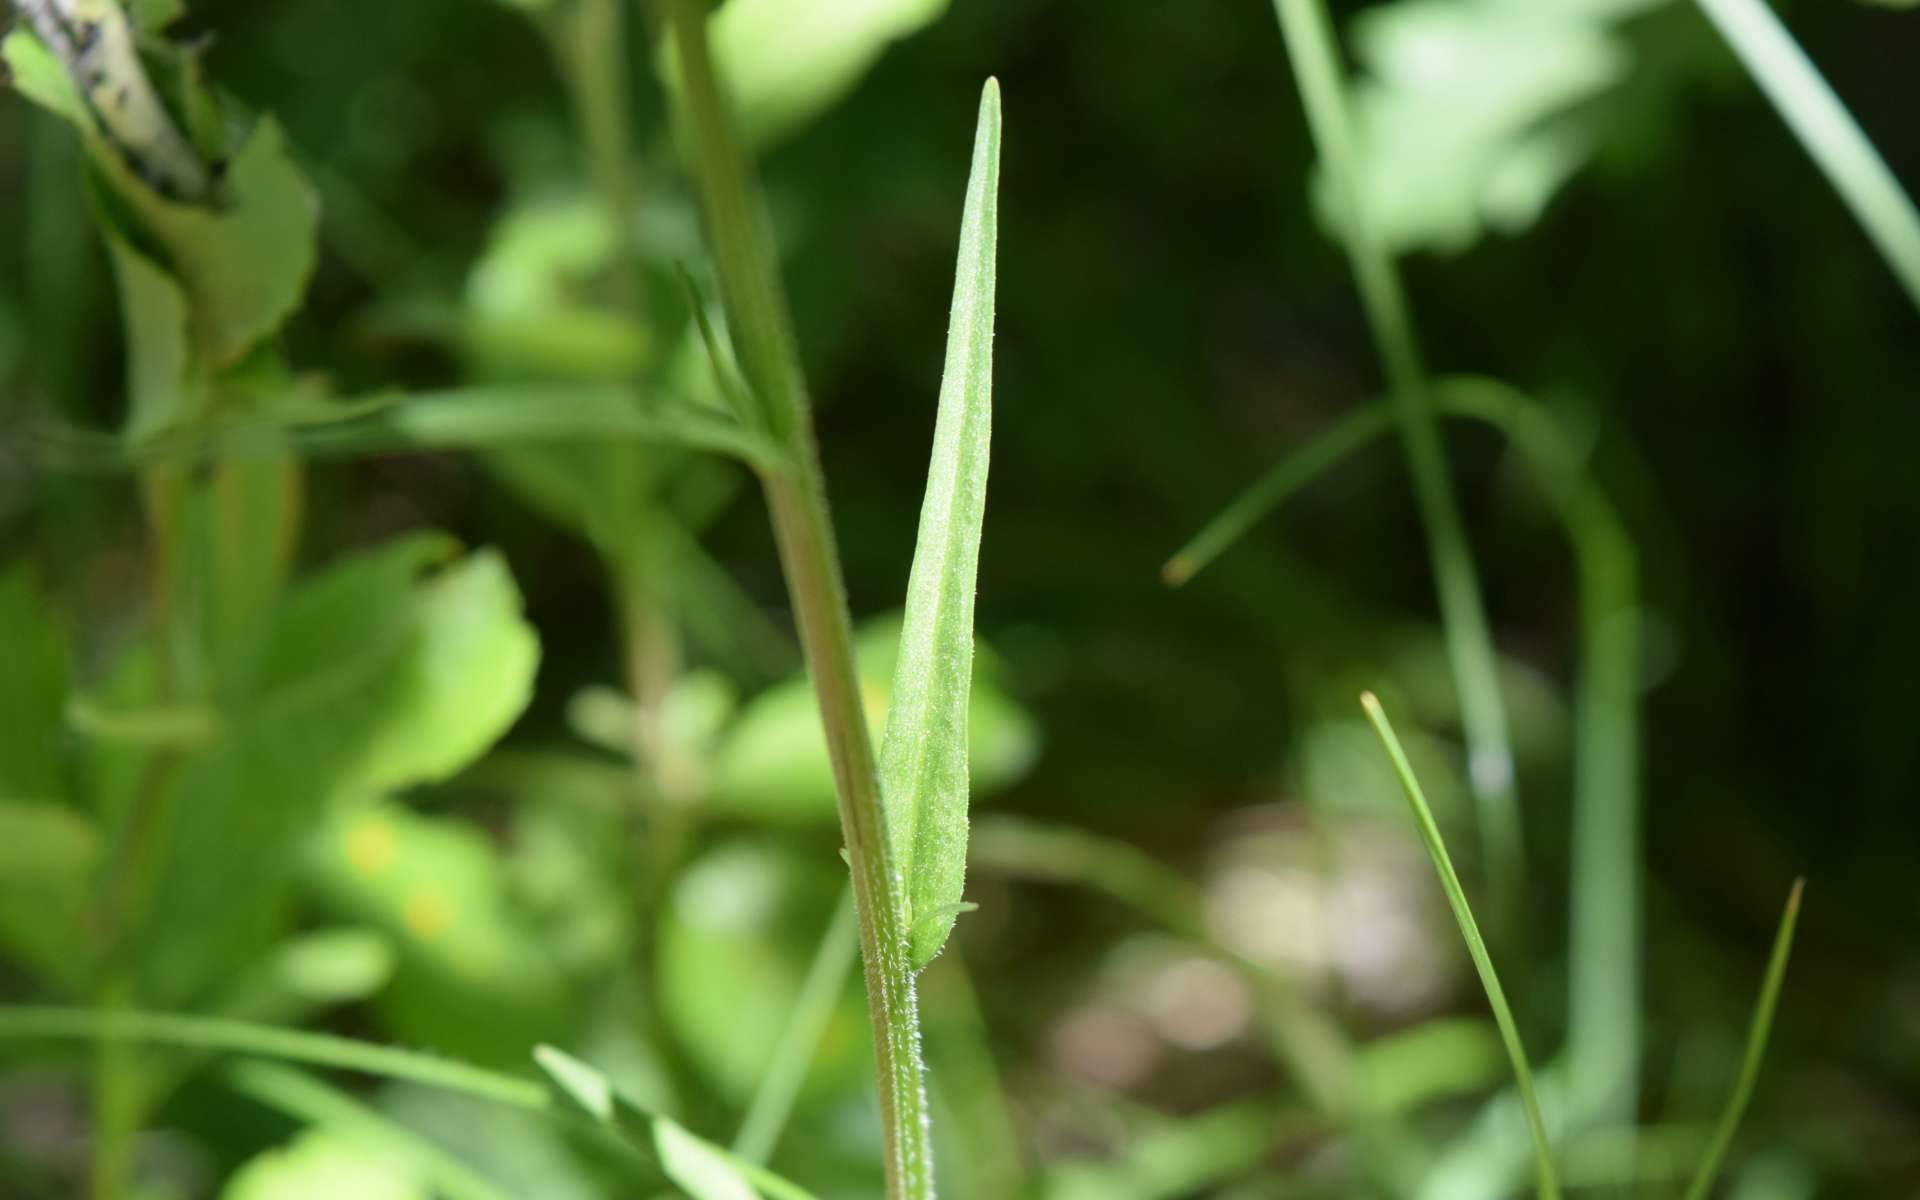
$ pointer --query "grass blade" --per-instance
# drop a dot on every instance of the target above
(1756, 1049)
(1549, 1185)
(269, 1041)
(923, 757)
(1827, 130)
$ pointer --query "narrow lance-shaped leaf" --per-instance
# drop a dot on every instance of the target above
(923, 757)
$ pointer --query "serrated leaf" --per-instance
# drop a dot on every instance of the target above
(787, 63)
(923, 757)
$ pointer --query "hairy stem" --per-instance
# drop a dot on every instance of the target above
(797, 501)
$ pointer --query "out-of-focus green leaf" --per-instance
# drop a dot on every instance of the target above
(434, 667)
(530, 300)
(923, 757)
(39, 76)
(741, 922)
(304, 1097)
(772, 764)
(1436, 1060)
(49, 858)
(570, 865)
(324, 1166)
(153, 312)
(787, 63)
(334, 966)
(1464, 114)
(473, 978)
(244, 265)
(151, 16)
(698, 1167)
(33, 690)
(378, 675)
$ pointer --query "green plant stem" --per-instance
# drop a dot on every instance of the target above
(1294, 471)
(1827, 130)
(806, 1024)
(590, 41)
(1548, 1181)
(1757, 1034)
(1316, 62)
(797, 501)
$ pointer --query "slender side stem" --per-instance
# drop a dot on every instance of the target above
(800, 1040)
(590, 40)
(1549, 1184)
(1463, 618)
(1827, 130)
(1757, 1034)
(803, 529)
(1294, 471)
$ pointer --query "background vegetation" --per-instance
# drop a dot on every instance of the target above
(504, 747)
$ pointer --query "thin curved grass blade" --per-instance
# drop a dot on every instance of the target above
(270, 1041)
(1298, 468)
(923, 757)
(1549, 1184)
(1757, 1035)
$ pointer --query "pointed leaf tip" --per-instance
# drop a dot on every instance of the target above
(923, 756)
